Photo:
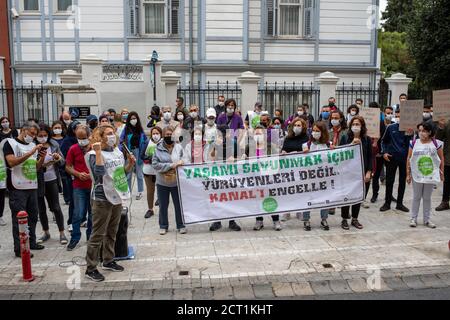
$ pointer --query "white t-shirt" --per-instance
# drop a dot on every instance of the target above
(425, 162)
(49, 174)
(315, 146)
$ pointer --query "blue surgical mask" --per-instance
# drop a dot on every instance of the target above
(325, 115)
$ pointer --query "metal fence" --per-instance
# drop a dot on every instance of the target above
(206, 97)
(29, 101)
(288, 97)
(346, 95)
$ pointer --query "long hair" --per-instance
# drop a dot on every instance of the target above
(291, 127)
(11, 126)
(129, 127)
(98, 135)
(363, 127)
(63, 127)
(325, 136)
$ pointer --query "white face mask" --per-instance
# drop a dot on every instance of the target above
(353, 113)
(230, 111)
(180, 117)
(211, 122)
(297, 130)
(67, 122)
(198, 137)
(57, 131)
(356, 129)
(389, 117)
(395, 120)
(221, 103)
(193, 115)
(83, 142)
(426, 115)
(316, 135)
(335, 122)
(28, 139)
(5, 125)
(133, 122)
(258, 138)
(300, 113)
(42, 140)
(167, 116)
(156, 137)
(111, 140)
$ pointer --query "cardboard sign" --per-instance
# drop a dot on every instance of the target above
(441, 104)
(372, 118)
(411, 114)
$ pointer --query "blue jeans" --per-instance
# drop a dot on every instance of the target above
(82, 205)
(138, 169)
(323, 214)
(69, 187)
(163, 197)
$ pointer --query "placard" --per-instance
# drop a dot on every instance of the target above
(441, 104)
(372, 118)
(411, 114)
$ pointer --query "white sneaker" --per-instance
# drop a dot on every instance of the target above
(162, 232)
(258, 226)
(365, 205)
(299, 216)
(413, 223)
(182, 231)
(69, 228)
(285, 217)
(2, 222)
(277, 226)
(139, 196)
(430, 224)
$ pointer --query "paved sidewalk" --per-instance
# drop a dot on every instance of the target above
(387, 254)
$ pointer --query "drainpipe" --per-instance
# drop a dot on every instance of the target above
(191, 42)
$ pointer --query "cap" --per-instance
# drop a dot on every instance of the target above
(211, 113)
(91, 118)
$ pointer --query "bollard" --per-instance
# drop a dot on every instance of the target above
(22, 218)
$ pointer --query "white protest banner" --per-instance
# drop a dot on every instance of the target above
(441, 104)
(271, 185)
(372, 118)
(411, 114)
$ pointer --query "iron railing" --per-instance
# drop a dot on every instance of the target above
(29, 102)
(288, 97)
(346, 95)
(206, 97)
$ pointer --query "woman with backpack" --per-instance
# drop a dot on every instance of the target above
(425, 168)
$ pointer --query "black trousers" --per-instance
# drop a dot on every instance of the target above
(24, 200)
(391, 171)
(52, 196)
(345, 211)
(446, 194)
(275, 218)
(376, 176)
(2, 201)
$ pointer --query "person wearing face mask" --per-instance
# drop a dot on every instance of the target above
(92, 122)
(108, 171)
(69, 140)
(427, 115)
(359, 102)
(379, 161)
(230, 120)
(179, 106)
(194, 152)
(66, 118)
(357, 134)
(48, 178)
(403, 97)
(325, 115)
(149, 172)
(296, 137)
(425, 168)
(104, 120)
(182, 120)
(253, 117)
(352, 111)
(277, 124)
(220, 107)
(332, 104)
(278, 114)
(193, 119)
(112, 113)
(319, 140)
(21, 160)
(81, 185)
(154, 117)
(136, 140)
(167, 120)
(338, 127)
(6, 130)
(166, 159)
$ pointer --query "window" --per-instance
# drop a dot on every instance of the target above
(30, 5)
(63, 5)
(290, 18)
(154, 17)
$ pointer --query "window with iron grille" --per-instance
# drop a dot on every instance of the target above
(154, 17)
(30, 5)
(290, 18)
(63, 5)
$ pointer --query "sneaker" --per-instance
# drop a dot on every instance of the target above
(63, 239)
(37, 247)
(385, 207)
(234, 226)
(72, 245)
(215, 226)
(325, 225)
(285, 217)
(394, 199)
(277, 226)
(18, 255)
(430, 224)
(139, 196)
(2, 222)
(45, 237)
(442, 207)
(413, 223)
(112, 266)
(374, 199)
(307, 226)
(344, 224)
(149, 214)
(182, 230)
(95, 276)
(70, 228)
(157, 203)
(258, 226)
(84, 225)
(402, 208)
(356, 224)
(162, 232)
(299, 216)
(365, 205)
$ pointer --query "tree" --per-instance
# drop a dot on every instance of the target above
(395, 54)
(396, 15)
(429, 42)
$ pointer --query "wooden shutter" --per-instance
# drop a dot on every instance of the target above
(134, 10)
(308, 18)
(271, 17)
(174, 14)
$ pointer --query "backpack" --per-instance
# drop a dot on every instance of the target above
(433, 139)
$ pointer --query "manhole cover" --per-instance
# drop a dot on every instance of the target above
(184, 273)
(327, 265)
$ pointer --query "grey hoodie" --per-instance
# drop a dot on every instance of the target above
(162, 163)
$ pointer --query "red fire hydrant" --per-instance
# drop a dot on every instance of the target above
(22, 218)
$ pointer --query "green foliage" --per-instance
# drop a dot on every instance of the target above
(396, 15)
(395, 54)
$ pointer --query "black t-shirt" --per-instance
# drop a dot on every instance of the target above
(12, 134)
(7, 150)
